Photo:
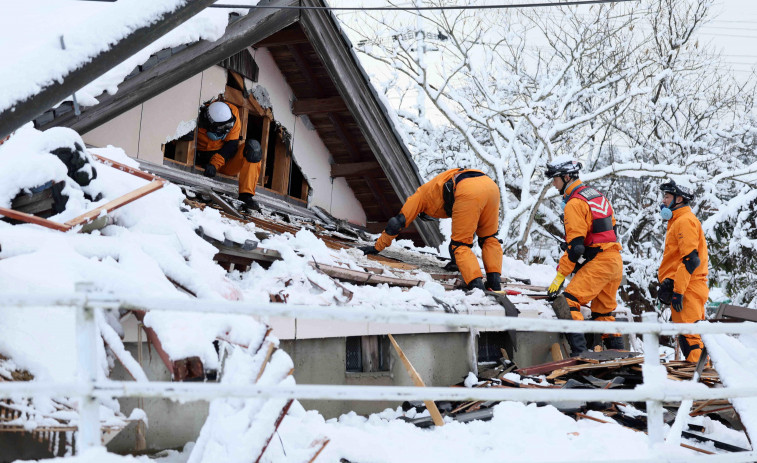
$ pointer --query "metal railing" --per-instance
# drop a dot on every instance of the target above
(653, 391)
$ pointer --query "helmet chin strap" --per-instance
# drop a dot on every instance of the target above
(566, 184)
(673, 206)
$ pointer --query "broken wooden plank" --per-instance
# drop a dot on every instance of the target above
(124, 168)
(346, 293)
(33, 219)
(357, 276)
(116, 203)
(393, 263)
(546, 367)
(319, 445)
(182, 369)
(418, 381)
(283, 413)
(227, 208)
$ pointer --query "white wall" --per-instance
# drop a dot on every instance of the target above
(142, 130)
(309, 151)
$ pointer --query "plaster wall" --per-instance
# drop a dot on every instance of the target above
(170, 424)
(143, 129)
(440, 359)
(121, 131)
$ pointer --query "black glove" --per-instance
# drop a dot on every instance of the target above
(677, 302)
(665, 291)
(210, 171)
(368, 249)
(563, 246)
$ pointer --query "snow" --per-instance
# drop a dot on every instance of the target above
(34, 58)
(151, 246)
(154, 237)
(735, 358)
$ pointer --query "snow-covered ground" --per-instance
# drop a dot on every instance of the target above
(152, 244)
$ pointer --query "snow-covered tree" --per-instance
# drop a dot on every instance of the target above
(626, 88)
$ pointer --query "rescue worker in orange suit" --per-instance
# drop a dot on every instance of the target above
(591, 250)
(218, 149)
(471, 199)
(683, 270)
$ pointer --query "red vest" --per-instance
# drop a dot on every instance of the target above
(601, 215)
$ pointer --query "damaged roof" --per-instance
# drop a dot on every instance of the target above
(331, 88)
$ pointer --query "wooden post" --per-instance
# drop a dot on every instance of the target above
(430, 405)
(281, 166)
(556, 352)
(264, 136)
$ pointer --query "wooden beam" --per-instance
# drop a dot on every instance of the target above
(286, 37)
(318, 105)
(181, 369)
(264, 136)
(352, 149)
(356, 169)
(418, 381)
(235, 97)
(282, 161)
(304, 67)
(116, 203)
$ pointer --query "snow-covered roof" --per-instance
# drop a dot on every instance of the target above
(212, 36)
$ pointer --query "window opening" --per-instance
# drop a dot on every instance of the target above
(366, 354)
(489, 345)
(298, 186)
(280, 174)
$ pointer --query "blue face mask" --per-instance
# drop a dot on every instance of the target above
(564, 203)
(215, 136)
(665, 212)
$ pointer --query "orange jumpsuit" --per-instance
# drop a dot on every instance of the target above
(248, 171)
(598, 280)
(684, 235)
(475, 212)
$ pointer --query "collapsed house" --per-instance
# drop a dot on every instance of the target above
(335, 170)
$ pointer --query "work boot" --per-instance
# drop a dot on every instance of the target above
(493, 281)
(614, 342)
(247, 199)
(562, 308)
(476, 283)
(577, 342)
(451, 266)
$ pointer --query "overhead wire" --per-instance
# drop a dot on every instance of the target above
(410, 8)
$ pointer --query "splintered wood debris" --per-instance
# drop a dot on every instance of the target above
(623, 372)
(50, 421)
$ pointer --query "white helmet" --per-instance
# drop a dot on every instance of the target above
(219, 112)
